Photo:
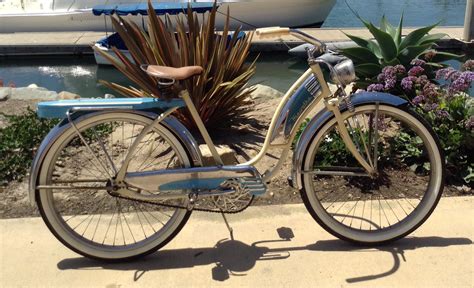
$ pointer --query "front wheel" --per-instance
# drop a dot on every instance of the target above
(373, 209)
(82, 214)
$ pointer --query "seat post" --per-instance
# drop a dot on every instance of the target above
(184, 94)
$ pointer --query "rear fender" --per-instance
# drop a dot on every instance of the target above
(169, 122)
(324, 116)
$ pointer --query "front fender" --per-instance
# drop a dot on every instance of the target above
(169, 122)
(323, 116)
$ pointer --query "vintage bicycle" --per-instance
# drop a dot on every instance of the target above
(117, 179)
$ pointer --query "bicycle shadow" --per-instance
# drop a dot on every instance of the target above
(235, 258)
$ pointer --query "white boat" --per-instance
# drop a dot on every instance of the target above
(64, 15)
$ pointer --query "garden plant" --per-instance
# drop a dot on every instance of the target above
(412, 68)
(447, 107)
(220, 93)
(18, 142)
(389, 48)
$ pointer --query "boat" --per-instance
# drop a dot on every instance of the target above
(113, 40)
(124, 10)
(76, 15)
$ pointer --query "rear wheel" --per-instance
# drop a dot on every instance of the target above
(357, 207)
(83, 215)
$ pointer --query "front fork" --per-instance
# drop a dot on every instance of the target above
(332, 105)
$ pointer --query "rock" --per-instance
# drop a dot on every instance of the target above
(65, 95)
(463, 189)
(263, 92)
(25, 93)
(5, 93)
(227, 154)
(33, 85)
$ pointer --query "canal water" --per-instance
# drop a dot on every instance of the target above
(416, 12)
(80, 74)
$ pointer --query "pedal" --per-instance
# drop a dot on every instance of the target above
(192, 201)
(254, 186)
(290, 181)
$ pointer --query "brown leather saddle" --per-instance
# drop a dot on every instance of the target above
(171, 73)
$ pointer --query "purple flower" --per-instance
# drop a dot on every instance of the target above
(390, 83)
(375, 88)
(441, 113)
(430, 107)
(430, 90)
(389, 70)
(389, 76)
(468, 65)
(447, 74)
(463, 82)
(422, 80)
(418, 62)
(416, 71)
(470, 123)
(381, 77)
(400, 69)
(418, 99)
(407, 83)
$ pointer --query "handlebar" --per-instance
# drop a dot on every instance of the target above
(274, 32)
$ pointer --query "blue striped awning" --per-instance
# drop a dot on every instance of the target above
(161, 8)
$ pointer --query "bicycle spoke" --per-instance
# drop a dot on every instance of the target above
(376, 136)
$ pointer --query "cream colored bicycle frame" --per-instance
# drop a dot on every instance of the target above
(332, 104)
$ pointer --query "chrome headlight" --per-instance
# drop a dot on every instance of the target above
(345, 72)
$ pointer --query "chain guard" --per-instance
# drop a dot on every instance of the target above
(213, 204)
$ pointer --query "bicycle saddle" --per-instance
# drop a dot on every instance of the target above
(166, 72)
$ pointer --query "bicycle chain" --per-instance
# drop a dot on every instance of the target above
(184, 207)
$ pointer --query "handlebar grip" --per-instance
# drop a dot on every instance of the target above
(272, 32)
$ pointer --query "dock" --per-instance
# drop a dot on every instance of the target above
(77, 43)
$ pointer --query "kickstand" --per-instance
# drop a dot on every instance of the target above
(231, 231)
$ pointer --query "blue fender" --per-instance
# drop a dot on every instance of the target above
(324, 115)
(169, 122)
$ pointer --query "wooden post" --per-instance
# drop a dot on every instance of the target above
(469, 22)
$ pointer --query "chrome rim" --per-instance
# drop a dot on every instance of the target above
(87, 217)
(357, 206)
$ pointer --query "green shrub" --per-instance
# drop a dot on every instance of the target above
(18, 142)
(448, 108)
(389, 48)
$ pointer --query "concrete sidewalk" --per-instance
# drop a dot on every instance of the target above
(440, 253)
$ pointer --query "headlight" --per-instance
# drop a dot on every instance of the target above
(345, 72)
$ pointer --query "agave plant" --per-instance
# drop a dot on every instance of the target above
(220, 93)
(389, 48)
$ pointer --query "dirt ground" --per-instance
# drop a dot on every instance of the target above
(246, 140)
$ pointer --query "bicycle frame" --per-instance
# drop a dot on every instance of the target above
(302, 97)
(61, 163)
